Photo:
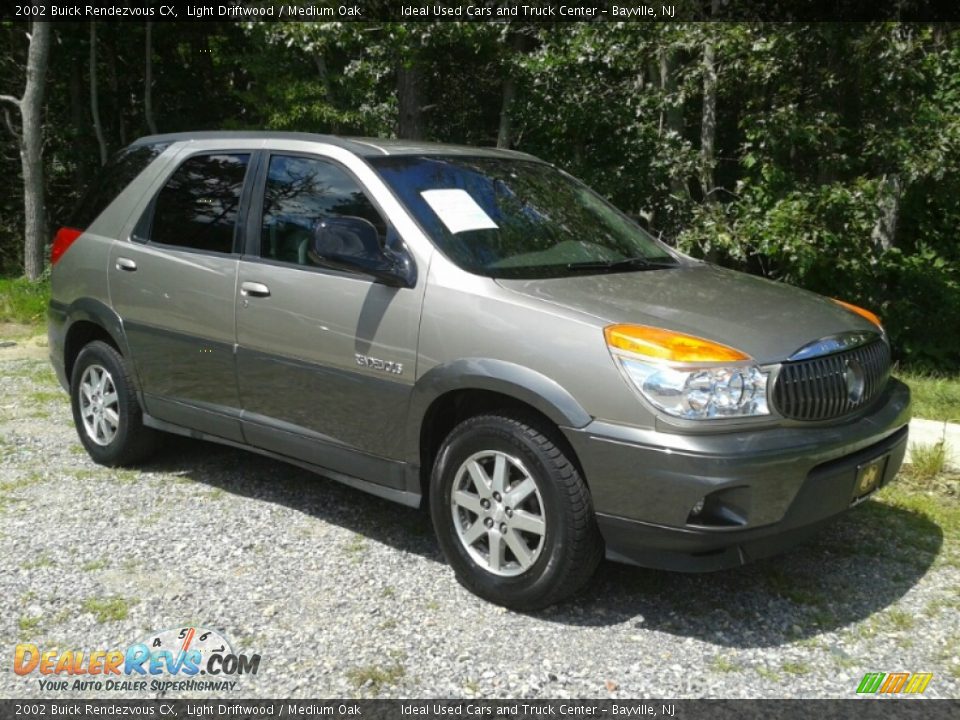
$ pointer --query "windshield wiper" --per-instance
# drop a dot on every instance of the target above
(634, 263)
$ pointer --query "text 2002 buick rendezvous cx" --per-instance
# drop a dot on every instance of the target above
(474, 328)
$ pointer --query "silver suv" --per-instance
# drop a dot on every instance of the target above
(471, 329)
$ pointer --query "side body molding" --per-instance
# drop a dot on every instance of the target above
(506, 378)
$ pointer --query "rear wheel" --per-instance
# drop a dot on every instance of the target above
(512, 513)
(106, 412)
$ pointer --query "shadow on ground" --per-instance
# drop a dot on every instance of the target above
(856, 568)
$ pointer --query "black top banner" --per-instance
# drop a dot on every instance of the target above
(480, 11)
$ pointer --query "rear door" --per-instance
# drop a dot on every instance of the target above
(325, 359)
(174, 283)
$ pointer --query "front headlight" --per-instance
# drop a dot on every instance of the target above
(701, 393)
(689, 377)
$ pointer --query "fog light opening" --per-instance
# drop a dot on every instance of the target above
(721, 508)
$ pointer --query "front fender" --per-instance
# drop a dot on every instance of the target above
(516, 381)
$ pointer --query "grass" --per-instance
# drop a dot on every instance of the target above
(94, 565)
(38, 371)
(795, 668)
(928, 461)
(768, 674)
(723, 665)
(28, 625)
(22, 301)
(9, 486)
(926, 500)
(935, 397)
(356, 546)
(42, 561)
(375, 677)
(898, 619)
(108, 609)
(41, 397)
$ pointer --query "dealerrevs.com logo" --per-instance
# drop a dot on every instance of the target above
(168, 660)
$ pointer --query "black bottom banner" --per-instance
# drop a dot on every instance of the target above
(861, 709)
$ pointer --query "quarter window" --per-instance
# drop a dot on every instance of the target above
(299, 193)
(199, 205)
(122, 169)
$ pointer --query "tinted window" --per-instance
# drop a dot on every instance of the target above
(199, 205)
(299, 193)
(503, 217)
(119, 172)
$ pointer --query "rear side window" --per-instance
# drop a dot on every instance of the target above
(199, 205)
(119, 172)
(299, 193)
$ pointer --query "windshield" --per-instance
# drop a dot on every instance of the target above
(518, 218)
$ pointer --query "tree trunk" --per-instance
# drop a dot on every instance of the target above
(410, 120)
(505, 131)
(671, 116)
(148, 80)
(94, 101)
(117, 102)
(884, 234)
(78, 119)
(708, 120)
(31, 151)
(321, 62)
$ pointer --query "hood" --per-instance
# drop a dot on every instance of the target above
(765, 319)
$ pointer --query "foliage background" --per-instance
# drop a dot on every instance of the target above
(832, 160)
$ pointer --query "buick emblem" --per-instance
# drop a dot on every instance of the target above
(853, 377)
(869, 478)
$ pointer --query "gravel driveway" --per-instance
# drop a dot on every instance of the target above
(344, 594)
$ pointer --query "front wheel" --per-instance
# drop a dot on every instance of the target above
(512, 513)
(105, 408)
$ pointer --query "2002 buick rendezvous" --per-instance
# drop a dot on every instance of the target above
(473, 328)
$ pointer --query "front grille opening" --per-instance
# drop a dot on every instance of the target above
(832, 386)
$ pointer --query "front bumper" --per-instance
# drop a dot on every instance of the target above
(779, 484)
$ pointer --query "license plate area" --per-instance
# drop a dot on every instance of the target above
(869, 476)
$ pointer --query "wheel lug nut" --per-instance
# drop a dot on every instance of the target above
(488, 522)
(509, 512)
(496, 496)
(503, 528)
(485, 504)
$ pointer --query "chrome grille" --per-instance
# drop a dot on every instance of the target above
(825, 387)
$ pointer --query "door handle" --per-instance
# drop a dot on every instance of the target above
(126, 264)
(254, 289)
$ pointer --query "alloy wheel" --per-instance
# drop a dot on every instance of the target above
(498, 513)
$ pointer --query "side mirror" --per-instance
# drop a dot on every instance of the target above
(353, 244)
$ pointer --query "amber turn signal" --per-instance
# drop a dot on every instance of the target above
(668, 345)
(859, 311)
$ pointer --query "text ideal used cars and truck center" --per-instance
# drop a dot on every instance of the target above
(473, 330)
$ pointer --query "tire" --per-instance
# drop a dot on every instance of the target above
(109, 422)
(553, 518)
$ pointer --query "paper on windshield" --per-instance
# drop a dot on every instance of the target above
(457, 210)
